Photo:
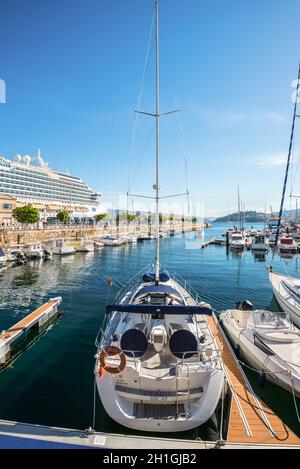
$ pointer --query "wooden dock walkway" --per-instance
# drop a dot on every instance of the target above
(17, 338)
(250, 420)
(28, 321)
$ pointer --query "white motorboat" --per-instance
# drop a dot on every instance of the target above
(85, 247)
(111, 241)
(237, 240)
(131, 238)
(33, 251)
(269, 342)
(15, 255)
(143, 236)
(98, 245)
(163, 234)
(3, 257)
(81, 244)
(287, 292)
(61, 248)
(158, 366)
(287, 245)
(259, 243)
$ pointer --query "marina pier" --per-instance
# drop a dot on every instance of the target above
(251, 423)
(15, 339)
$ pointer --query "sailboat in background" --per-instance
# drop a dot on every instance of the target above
(158, 366)
(237, 237)
(285, 287)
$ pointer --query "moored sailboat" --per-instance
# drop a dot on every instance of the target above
(158, 366)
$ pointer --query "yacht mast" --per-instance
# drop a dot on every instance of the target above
(239, 208)
(156, 185)
(287, 163)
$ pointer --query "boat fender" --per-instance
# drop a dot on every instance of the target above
(237, 350)
(262, 379)
(112, 351)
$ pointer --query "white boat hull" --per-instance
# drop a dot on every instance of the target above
(276, 370)
(121, 410)
(288, 303)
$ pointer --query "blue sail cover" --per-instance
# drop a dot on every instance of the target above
(134, 343)
(149, 276)
(183, 344)
(155, 309)
(153, 289)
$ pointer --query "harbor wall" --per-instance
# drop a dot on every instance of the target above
(12, 237)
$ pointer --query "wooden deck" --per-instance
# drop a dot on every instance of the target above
(26, 322)
(250, 421)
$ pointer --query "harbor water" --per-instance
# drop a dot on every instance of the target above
(52, 382)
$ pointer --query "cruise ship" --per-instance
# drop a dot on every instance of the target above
(30, 181)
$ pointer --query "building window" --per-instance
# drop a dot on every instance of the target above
(7, 206)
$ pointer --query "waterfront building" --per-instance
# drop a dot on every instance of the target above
(31, 181)
(7, 204)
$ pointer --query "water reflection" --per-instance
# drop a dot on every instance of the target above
(259, 256)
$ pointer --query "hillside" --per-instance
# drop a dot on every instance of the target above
(251, 216)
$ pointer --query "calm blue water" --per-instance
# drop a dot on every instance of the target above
(52, 382)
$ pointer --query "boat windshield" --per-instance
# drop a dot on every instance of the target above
(278, 320)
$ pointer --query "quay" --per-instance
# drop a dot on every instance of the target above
(22, 236)
(15, 339)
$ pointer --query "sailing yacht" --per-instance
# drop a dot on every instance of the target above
(158, 366)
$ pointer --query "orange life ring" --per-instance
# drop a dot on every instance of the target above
(111, 351)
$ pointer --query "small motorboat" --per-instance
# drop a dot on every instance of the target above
(33, 251)
(287, 245)
(259, 243)
(111, 241)
(143, 237)
(85, 247)
(268, 341)
(98, 245)
(61, 248)
(237, 240)
(15, 255)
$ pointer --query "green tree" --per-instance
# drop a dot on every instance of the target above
(26, 214)
(194, 219)
(101, 216)
(130, 217)
(63, 216)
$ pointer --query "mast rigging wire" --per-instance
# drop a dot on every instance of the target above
(287, 166)
(138, 104)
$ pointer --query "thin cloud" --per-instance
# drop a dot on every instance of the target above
(218, 120)
(269, 161)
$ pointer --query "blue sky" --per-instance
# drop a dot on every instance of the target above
(73, 71)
